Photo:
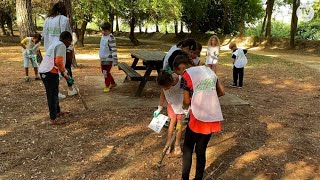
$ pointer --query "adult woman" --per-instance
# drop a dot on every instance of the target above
(56, 23)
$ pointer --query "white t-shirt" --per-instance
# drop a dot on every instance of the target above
(174, 97)
(30, 45)
(196, 61)
(166, 58)
(212, 55)
(108, 49)
(241, 59)
(53, 27)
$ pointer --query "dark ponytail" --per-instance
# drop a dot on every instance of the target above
(164, 78)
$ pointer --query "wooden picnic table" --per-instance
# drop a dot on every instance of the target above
(151, 60)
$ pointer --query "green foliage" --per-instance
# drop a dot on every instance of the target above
(310, 30)
(278, 29)
(221, 15)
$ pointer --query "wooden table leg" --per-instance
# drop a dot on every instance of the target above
(145, 79)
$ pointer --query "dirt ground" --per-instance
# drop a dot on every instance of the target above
(276, 137)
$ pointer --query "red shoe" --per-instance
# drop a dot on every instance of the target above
(57, 122)
(63, 114)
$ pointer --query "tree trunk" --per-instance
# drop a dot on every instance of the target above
(81, 33)
(24, 18)
(146, 29)
(294, 23)
(3, 29)
(263, 23)
(194, 26)
(117, 24)
(167, 29)
(132, 37)
(241, 27)
(270, 4)
(68, 5)
(111, 19)
(10, 25)
(157, 24)
(225, 17)
(181, 27)
(175, 26)
(140, 28)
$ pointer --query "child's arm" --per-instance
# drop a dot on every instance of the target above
(186, 99)
(160, 107)
(113, 48)
(23, 43)
(220, 89)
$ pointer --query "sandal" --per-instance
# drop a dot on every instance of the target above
(177, 150)
(57, 122)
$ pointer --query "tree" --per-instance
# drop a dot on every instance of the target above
(24, 18)
(294, 22)
(270, 4)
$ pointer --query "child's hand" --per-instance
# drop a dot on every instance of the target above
(157, 112)
(70, 80)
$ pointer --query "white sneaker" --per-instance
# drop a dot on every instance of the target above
(73, 92)
(61, 96)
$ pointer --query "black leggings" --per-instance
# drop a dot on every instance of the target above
(68, 67)
(198, 142)
(51, 83)
(238, 72)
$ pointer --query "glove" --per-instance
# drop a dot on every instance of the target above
(30, 52)
(186, 112)
(70, 80)
(157, 112)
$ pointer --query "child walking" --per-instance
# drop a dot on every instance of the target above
(30, 47)
(108, 55)
(239, 62)
(213, 52)
(173, 94)
(201, 90)
(52, 64)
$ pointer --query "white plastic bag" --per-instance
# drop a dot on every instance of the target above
(157, 123)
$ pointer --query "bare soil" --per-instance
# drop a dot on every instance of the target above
(277, 137)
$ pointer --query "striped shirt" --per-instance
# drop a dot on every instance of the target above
(108, 49)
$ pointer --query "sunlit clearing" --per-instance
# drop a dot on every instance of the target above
(104, 152)
(299, 170)
(268, 81)
(273, 126)
(215, 149)
(4, 132)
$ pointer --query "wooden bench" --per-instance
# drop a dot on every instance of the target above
(131, 73)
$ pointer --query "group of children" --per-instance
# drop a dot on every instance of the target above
(191, 89)
(187, 87)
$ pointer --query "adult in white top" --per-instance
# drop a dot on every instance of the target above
(55, 24)
(166, 57)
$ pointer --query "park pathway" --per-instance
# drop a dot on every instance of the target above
(311, 61)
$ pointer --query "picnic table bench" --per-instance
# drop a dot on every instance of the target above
(151, 60)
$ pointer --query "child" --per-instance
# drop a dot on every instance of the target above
(213, 53)
(173, 94)
(188, 46)
(196, 55)
(30, 47)
(239, 62)
(69, 57)
(201, 91)
(108, 55)
(172, 49)
(49, 69)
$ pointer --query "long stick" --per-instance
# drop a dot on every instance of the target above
(82, 100)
